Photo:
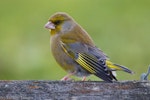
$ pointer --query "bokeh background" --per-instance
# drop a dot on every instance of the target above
(121, 28)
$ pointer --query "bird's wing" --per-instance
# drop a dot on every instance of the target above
(90, 58)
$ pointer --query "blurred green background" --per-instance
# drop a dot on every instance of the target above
(121, 28)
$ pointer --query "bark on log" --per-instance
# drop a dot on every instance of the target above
(88, 90)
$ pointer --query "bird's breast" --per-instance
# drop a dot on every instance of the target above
(60, 56)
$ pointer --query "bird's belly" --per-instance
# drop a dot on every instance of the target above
(62, 58)
(66, 62)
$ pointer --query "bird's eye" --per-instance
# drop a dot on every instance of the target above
(57, 22)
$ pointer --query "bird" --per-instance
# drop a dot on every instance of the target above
(75, 51)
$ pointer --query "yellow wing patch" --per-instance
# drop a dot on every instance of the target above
(85, 64)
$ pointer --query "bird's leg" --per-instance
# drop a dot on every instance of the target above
(84, 78)
(67, 77)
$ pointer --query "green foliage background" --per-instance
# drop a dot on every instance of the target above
(121, 28)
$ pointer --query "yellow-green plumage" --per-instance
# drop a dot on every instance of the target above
(85, 64)
(75, 51)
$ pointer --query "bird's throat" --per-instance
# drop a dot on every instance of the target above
(52, 32)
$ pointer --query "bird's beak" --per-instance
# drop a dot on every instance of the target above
(49, 25)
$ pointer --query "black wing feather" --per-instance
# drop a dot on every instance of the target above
(100, 69)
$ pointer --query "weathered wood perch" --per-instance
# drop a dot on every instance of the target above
(58, 90)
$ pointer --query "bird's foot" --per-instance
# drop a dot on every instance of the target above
(84, 78)
(67, 77)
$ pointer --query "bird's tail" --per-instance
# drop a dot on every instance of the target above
(115, 67)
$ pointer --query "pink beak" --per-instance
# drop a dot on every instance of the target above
(49, 25)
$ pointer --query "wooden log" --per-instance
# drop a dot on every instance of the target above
(78, 90)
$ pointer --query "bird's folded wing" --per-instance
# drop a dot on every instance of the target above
(90, 59)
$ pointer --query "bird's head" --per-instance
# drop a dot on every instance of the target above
(60, 23)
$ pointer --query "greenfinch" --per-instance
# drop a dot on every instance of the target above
(75, 51)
